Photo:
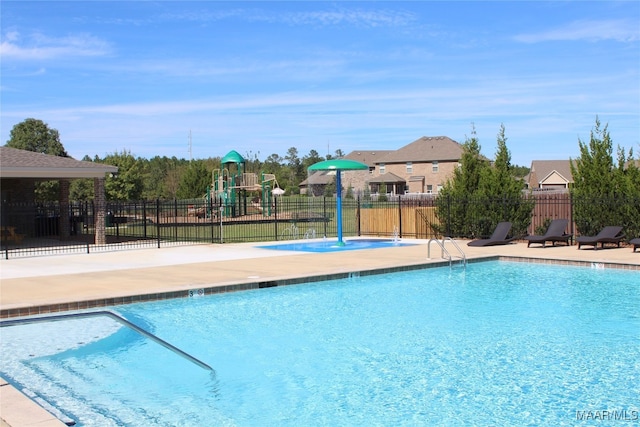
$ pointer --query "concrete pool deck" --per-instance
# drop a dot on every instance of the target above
(65, 282)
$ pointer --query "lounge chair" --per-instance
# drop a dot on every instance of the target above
(609, 234)
(555, 233)
(635, 242)
(499, 236)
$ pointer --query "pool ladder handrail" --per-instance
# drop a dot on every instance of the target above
(114, 316)
(462, 256)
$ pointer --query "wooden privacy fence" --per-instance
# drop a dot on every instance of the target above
(551, 206)
(406, 221)
(413, 219)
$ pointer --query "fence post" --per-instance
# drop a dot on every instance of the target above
(448, 215)
(144, 218)
(175, 219)
(275, 217)
(571, 227)
(93, 220)
(399, 216)
(85, 221)
(358, 225)
(118, 212)
(209, 213)
(221, 229)
(158, 221)
(324, 214)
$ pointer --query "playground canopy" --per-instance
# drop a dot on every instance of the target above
(338, 165)
(233, 157)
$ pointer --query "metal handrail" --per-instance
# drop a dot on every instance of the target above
(115, 317)
(462, 256)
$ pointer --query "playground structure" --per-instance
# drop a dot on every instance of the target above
(231, 187)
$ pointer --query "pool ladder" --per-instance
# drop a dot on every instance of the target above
(461, 256)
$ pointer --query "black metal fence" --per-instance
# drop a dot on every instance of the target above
(39, 229)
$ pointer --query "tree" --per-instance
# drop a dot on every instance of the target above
(252, 162)
(127, 184)
(81, 190)
(599, 185)
(297, 173)
(161, 177)
(454, 205)
(273, 165)
(310, 159)
(503, 193)
(338, 154)
(35, 135)
(479, 195)
(628, 189)
(195, 181)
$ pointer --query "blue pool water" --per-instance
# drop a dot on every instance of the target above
(332, 245)
(496, 344)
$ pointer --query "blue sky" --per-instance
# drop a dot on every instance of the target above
(261, 77)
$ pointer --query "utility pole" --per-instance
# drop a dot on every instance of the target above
(190, 157)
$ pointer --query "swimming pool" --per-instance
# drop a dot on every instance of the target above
(496, 343)
(330, 245)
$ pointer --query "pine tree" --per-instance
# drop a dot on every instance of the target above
(479, 195)
(593, 190)
(455, 205)
(502, 191)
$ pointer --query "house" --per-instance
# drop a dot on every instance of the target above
(421, 167)
(549, 175)
(356, 180)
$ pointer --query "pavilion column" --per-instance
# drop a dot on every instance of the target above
(65, 225)
(100, 204)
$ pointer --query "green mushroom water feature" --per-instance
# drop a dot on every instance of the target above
(338, 165)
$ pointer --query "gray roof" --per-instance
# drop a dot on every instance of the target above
(426, 149)
(15, 163)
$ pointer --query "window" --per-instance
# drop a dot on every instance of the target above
(371, 170)
(382, 169)
(434, 166)
(409, 167)
(429, 189)
(439, 188)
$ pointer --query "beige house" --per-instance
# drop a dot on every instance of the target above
(421, 167)
(356, 180)
(549, 175)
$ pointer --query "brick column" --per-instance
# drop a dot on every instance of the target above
(100, 206)
(64, 225)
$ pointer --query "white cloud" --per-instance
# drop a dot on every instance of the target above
(590, 30)
(328, 17)
(357, 17)
(38, 46)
